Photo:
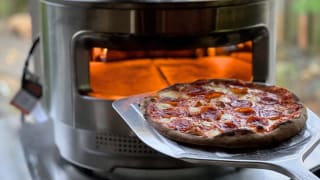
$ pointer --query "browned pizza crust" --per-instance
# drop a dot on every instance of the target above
(240, 138)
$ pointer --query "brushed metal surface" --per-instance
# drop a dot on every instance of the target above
(132, 4)
(65, 67)
(81, 148)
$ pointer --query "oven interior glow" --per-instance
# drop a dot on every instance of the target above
(116, 73)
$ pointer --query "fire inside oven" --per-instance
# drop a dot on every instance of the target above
(118, 73)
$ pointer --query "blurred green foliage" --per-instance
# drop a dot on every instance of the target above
(309, 6)
(9, 7)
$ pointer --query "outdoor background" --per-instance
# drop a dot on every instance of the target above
(298, 48)
(298, 65)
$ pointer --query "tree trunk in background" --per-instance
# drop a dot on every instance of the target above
(300, 29)
(290, 23)
(314, 31)
(280, 22)
(302, 35)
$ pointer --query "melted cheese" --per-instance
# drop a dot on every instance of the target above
(165, 120)
(163, 106)
(172, 94)
(224, 99)
(207, 123)
(203, 102)
(251, 98)
(226, 117)
(212, 133)
(221, 89)
(208, 87)
(194, 110)
(169, 94)
(271, 122)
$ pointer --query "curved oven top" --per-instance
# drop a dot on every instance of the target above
(129, 4)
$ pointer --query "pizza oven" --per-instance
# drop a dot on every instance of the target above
(98, 51)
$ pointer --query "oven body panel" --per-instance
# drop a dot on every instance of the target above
(88, 132)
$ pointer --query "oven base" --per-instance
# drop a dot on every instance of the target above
(45, 162)
(105, 151)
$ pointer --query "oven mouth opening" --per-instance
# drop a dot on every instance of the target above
(115, 74)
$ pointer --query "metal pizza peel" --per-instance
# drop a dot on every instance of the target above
(286, 158)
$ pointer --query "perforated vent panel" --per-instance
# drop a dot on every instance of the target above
(112, 143)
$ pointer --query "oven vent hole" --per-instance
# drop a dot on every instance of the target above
(121, 144)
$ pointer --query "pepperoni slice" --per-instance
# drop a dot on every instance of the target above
(253, 119)
(270, 114)
(258, 122)
(288, 98)
(196, 131)
(229, 125)
(210, 113)
(180, 124)
(241, 103)
(194, 91)
(172, 102)
(239, 90)
(267, 100)
(244, 110)
(292, 109)
(213, 95)
(170, 112)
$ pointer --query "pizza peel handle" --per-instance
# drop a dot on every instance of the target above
(295, 169)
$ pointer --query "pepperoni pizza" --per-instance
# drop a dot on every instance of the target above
(225, 113)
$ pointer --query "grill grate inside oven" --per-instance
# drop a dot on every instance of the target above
(112, 143)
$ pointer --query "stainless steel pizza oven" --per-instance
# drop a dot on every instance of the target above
(97, 51)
